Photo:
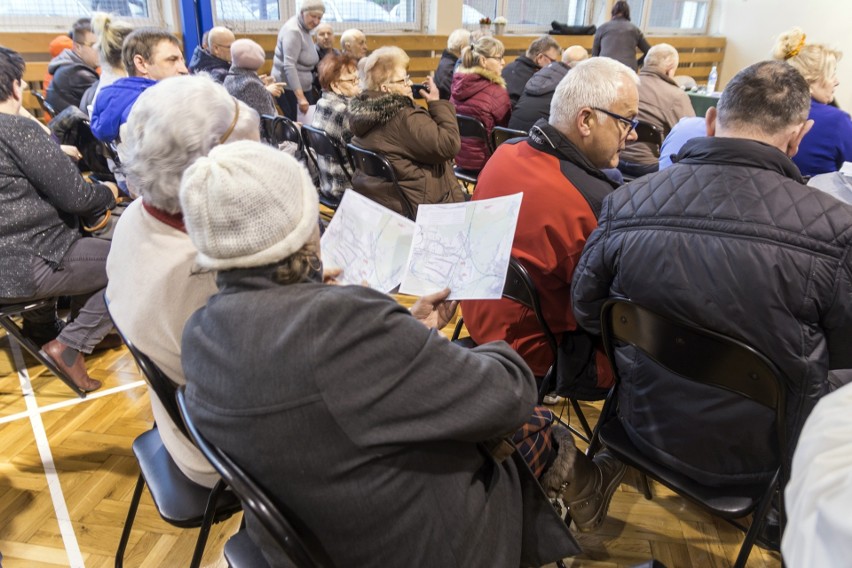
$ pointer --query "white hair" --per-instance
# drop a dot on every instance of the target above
(458, 40)
(172, 124)
(595, 82)
(350, 36)
(662, 56)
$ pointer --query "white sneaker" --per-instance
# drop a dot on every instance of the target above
(552, 399)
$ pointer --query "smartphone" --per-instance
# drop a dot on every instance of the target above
(417, 90)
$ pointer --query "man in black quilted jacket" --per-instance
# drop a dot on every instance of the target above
(731, 239)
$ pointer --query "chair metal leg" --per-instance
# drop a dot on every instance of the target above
(757, 521)
(646, 486)
(582, 418)
(206, 524)
(128, 523)
(15, 333)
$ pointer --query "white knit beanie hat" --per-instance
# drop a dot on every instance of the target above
(247, 204)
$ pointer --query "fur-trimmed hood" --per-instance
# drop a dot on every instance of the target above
(374, 108)
(467, 81)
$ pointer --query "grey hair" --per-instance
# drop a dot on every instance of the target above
(595, 82)
(349, 36)
(458, 40)
(768, 97)
(541, 45)
(172, 124)
(662, 56)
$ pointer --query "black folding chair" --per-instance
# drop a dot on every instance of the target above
(302, 548)
(45, 106)
(470, 127)
(500, 134)
(702, 356)
(276, 130)
(519, 287)
(179, 500)
(15, 333)
(652, 135)
(319, 143)
(376, 165)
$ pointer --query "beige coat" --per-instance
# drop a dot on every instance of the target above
(661, 103)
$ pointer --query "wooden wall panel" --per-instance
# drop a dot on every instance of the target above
(697, 53)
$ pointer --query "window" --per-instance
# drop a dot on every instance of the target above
(678, 16)
(368, 15)
(527, 16)
(670, 16)
(50, 15)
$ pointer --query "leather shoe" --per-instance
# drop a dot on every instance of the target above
(111, 341)
(591, 490)
(71, 362)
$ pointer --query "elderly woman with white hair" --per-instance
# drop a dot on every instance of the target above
(456, 42)
(154, 285)
(662, 103)
(419, 143)
(829, 143)
(296, 58)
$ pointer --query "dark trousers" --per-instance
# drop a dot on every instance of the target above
(81, 275)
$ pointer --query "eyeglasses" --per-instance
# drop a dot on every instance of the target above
(404, 81)
(632, 123)
(353, 80)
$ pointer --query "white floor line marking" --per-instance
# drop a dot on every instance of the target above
(72, 401)
(72, 547)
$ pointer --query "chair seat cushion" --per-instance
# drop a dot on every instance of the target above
(241, 552)
(179, 500)
(730, 502)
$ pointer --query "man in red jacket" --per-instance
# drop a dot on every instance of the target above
(558, 169)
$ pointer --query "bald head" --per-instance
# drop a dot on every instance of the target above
(353, 42)
(574, 54)
(219, 40)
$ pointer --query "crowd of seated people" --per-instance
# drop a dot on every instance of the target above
(227, 229)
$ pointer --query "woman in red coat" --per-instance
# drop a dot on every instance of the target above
(479, 91)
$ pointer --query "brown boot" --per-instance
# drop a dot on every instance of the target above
(590, 491)
(71, 362)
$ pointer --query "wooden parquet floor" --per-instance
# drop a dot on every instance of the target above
(63, 501)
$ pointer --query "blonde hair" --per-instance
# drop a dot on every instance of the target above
(814, 61)
(378, 67)
(484, 47)
(110, 34)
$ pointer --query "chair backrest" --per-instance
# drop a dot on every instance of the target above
(279, 129)
(470, 127)
(697, 354)
(500, 134)
(520, 287)
(652, 135)
(255, 499)
(376, 165)
(164, 388)
(45, 106)
(321, 143)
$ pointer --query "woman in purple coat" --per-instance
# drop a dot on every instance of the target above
(479, 91)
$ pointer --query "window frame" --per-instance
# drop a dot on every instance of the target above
(37, 23)
(647, 29)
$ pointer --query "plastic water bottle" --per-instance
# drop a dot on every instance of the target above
(711, 80)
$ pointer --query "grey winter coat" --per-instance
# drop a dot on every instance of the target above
(730, 239)
(245, 85)
(367, 425)
(535, 102)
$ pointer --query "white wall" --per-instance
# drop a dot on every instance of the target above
(751, 27)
